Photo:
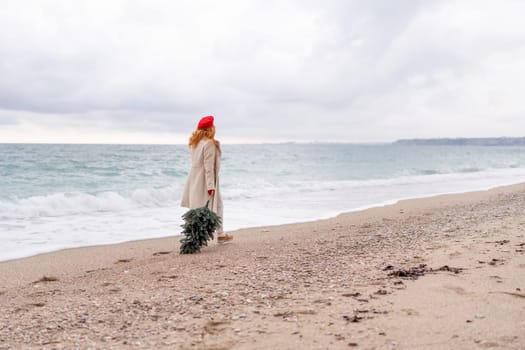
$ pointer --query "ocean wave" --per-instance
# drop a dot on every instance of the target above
(457, 170)
(470, 170)
(233, 190)
(429, 172)
(74, 203)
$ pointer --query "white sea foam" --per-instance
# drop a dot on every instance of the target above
(74, 203)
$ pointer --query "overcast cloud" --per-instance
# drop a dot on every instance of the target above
(355, 71)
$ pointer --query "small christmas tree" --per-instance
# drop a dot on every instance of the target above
(199, 225)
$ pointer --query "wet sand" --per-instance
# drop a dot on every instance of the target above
(446, 272)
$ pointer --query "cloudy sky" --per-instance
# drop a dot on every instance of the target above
(145, 71)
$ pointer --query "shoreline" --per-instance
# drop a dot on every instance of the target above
(323, 284)
(327, 217)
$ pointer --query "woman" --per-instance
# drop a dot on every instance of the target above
(203, 180)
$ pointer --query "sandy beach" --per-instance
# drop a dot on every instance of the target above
(446, 272)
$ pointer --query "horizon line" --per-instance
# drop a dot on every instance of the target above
(269, 142)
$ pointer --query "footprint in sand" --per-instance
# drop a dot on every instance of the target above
(497, 278)
(32, 305)
(167, 278)
(93, 271)
(38, 304)
(488, 345)
(457, 290)
(454, 255)
(418, 259)
(161, 253)
(119, 261)
(512, 294)
(410, 312)
(111, 290)
(46, 279)
(496, 262)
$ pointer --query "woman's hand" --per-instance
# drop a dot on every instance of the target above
(211, 192)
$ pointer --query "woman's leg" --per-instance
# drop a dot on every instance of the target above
(220, 211)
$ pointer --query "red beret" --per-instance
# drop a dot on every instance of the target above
(205, 122)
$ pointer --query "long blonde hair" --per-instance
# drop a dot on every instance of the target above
(199, 134)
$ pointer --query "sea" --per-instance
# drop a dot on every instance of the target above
(59, 196)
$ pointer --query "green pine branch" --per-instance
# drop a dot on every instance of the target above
(199, 225)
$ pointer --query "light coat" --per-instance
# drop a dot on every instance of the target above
(204, 176)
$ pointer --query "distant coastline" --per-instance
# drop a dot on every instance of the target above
(489, 141)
